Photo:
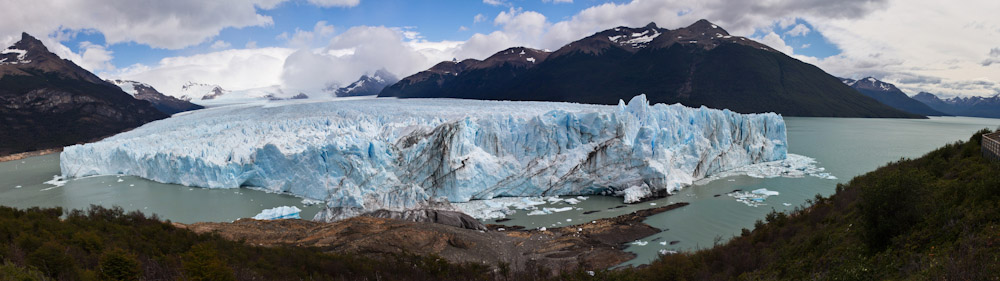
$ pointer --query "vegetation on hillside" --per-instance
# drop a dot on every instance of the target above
(109, 244)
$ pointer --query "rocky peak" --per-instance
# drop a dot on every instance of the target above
(703, 34)
(30, 43)
(383, 75)
(30, 55)
(926, 96)
(870, 83)
(707, 27)
(516, 56)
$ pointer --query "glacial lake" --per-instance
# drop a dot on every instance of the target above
(845, 147)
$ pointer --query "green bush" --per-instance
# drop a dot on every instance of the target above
(120, 265)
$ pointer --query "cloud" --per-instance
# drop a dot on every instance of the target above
(306, 39)
(994, 57)
(219, 44)
(95, 57)
(250, 45)
(463, 28)
(798, 30)
(774, 41)
(160, 24)
(494, 2)
(234, 69)
(335, 3)
(557, 1)
(478, 18)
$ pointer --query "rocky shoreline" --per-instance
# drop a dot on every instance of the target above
(590, 246)
(22, 155)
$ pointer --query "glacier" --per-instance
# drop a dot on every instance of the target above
(278, 213)
(362, 155)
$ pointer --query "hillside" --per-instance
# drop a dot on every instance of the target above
(48, 102)
(932, 218)
(699, 65)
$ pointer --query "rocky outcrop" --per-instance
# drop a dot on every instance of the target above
(590, 246)
(451, 218)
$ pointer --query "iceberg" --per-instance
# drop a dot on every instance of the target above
(362, 155)
(276, 213)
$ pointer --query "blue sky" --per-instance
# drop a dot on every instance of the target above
(920, 45)
(434, 20)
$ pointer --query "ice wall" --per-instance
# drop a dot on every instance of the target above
(363, 155)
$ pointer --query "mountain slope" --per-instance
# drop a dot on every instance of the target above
(698, 65)
(163, 103)
(368, 85)
(988, 107)
(47, 102)
(888, 94)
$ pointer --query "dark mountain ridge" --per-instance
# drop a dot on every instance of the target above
(48, 102)
(700, 65)
(888, 94)
(988, 107)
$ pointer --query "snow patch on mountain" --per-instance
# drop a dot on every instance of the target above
(636, 39)
(362, 155)
(21, 55)
(129, 86)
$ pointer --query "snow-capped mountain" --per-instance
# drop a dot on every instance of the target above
(888, 94)
(161, 102)
(698, 65)
(364, 155)
(201, 91)
(48, 102)
(368, 85)
(215, 95)
(988, 107)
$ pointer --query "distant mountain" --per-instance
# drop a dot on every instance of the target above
(988, 107)
(848, 81)
(699, 65)
(48, 102)
(888, 94)
(201, 91)
(368, 85)
(161, 102)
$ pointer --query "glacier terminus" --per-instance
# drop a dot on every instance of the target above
(362, 155)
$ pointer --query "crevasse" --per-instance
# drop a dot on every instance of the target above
(369, 154)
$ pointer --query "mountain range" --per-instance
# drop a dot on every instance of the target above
(888, 94)
(699, 65)
(48, 102)
(988, 107)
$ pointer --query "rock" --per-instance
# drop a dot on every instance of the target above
(452, 218)
(591, 246)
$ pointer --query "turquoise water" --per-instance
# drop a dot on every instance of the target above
(22, 185)
(845, 147)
